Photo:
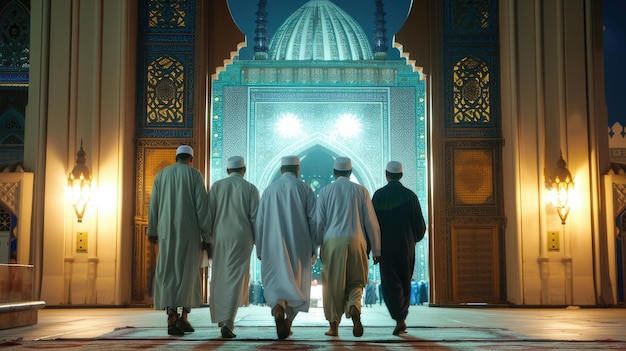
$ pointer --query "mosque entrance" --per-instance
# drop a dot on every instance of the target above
(316, 169)
(320, 105)
(311, 78)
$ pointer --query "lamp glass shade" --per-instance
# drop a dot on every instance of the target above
(561, 190)
(79, 184)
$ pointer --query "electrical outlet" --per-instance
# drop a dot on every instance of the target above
(553, 241)
(81, 241)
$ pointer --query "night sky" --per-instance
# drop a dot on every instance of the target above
(243, 12)
(614, 59)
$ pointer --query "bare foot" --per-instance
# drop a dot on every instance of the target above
(333, 331)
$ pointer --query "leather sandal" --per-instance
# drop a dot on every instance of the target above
(227, 333)
(185, 326)
(173, 324)
(357, 329)
(282, 330)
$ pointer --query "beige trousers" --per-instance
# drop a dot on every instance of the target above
(344, 274)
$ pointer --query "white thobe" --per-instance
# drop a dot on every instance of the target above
(285, 242)
(345, 210)
(233, 202)
(179, 216)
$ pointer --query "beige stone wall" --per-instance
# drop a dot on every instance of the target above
(549, 98)
(83, 87)
(82, 90)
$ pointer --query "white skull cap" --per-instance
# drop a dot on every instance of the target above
(235, 162)
(290, 161)
(394, 167)
(184, 149)
(343, 164)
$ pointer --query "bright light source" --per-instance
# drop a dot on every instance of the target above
(79, 184)
(561, 189)
(348, 125)
(289, 126)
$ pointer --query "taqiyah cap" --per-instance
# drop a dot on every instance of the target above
(394, 167)
(290, 161)
(184, 149)
(235, 162)
(343, 164)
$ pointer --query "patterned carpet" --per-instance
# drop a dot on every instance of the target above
(313, 338)
(295, 345)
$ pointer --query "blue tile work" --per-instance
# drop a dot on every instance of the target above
(471, 68)
(14, 43)
(471, 140)
(165, 69)
(384, 99)
(250, 97)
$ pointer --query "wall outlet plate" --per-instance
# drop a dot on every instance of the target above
(554, 243)
(81, 241)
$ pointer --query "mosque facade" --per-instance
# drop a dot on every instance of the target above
(317, 92)
(479, 99)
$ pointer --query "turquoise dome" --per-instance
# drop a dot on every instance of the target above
(320, 30)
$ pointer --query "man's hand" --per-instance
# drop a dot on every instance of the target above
(313, 259)
(153, 239)
(376, 259)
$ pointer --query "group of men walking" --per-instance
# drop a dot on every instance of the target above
(289, 227)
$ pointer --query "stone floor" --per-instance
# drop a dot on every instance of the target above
(429, 328)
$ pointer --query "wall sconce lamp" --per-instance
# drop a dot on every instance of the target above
(79, 184)
(561, 189)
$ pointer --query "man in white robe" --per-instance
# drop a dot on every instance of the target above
(285, 244)
(178, 220)
(346, 223)
(233, 202)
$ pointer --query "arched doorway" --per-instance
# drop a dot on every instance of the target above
(246, 94)
(370, 110)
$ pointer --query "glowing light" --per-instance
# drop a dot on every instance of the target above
(289, 126)
(105, 198)
(561, 195)
(79, 184)
(561, 191)
(348, 125)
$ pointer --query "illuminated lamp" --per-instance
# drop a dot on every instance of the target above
(79, 184)
(561, 189)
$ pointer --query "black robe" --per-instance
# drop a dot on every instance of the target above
(401, 226)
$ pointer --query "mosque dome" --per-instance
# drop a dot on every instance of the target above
(320, 30)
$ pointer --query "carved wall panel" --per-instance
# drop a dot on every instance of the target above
(475, 268)
(468, 245)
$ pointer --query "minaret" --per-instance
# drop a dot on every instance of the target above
(380, 32)
(261, 39)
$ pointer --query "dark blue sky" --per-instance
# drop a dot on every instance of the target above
(614, 59)
(243, 12)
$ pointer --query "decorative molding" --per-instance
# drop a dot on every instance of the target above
(16, 192)
(617, 136)
(9, 195)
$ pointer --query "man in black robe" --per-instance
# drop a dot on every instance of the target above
(401, 226)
